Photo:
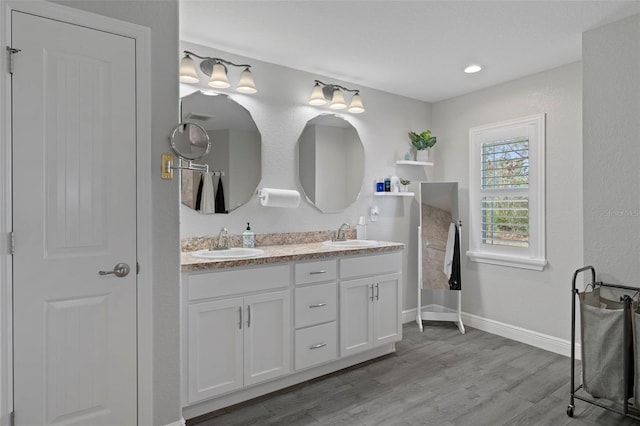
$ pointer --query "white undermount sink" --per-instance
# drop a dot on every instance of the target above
(230, 253)
(351, 243)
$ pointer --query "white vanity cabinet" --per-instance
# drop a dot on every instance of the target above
(370, 306)
(251, 330)
(240, 340)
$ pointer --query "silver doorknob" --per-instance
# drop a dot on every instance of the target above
(120, 270)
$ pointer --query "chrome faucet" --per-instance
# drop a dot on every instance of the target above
(340, 236)
(217, 244)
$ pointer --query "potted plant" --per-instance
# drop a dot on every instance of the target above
(422, 142)
(405, 184)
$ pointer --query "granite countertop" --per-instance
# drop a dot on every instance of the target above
(285, 253)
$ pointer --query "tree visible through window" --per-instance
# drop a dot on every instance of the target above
(505, 214)
(507, 193)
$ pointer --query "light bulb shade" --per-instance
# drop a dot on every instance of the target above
(317, 97)
(246, 83)
(219, 78)
(338, 100)
(356, 105)
(188, 72)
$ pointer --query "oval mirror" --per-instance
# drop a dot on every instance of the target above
(235, 157)
(330, 163)
(190, 141)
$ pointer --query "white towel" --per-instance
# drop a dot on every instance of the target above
(207, 206)
(448, 254)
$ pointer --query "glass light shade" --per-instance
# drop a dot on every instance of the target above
(188, 72)
(246, 83)
(219, 78)
(338, 100)
(356, 105)
(317, 97)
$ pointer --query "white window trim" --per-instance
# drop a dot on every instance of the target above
(534, 256)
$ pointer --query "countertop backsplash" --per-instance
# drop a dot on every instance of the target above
(275, 239)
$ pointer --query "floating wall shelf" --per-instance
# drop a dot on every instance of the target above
(414, 163)
(394, 194)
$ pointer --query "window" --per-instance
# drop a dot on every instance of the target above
(506, 191)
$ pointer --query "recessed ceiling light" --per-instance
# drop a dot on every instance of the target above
(473, 68)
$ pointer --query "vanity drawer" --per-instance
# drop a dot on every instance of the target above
(315, 304)
(371, 265)
(316, 345)
(225, 283)
(315, 272)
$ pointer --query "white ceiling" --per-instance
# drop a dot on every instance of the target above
(414, 48)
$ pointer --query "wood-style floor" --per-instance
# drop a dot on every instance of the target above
(438, 377)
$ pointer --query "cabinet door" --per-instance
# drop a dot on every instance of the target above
(356, 316)
(267, 336)
(214, 348)
(387, 323)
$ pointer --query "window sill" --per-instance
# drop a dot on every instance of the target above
(503, 260)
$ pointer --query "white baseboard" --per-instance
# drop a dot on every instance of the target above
(180, 422)
(519, 334)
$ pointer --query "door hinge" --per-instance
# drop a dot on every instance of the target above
(12, 243)
(10, 52)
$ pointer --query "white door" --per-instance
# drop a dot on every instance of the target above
(267, 341)
(356, 316)
(387, 313)
(215, 348)
(74, 212)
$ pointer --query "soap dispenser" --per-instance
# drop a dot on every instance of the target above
(248, 240)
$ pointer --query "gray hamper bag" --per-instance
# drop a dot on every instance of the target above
(602, 335)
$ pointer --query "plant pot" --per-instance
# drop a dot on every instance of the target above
(423, 155)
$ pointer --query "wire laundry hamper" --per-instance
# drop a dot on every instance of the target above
(609, 342)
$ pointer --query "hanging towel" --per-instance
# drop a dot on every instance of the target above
(220, 208)
(207, 205)
(448, 253)
(455, 280)
(199, 195)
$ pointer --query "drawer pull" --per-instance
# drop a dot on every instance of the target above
(317, 305)
(317, 272)
(318, 346)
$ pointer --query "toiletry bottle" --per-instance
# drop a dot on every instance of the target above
(248, 237)
(361, 229)
(387, 184)
(380, 186)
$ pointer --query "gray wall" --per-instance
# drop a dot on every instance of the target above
(280, 111)
(162, 18)
(611, 123)
(537, 301)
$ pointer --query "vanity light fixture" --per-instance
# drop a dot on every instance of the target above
(473, 68)
(216, 68)
(323, 92)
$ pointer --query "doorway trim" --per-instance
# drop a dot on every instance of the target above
(142, 37)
